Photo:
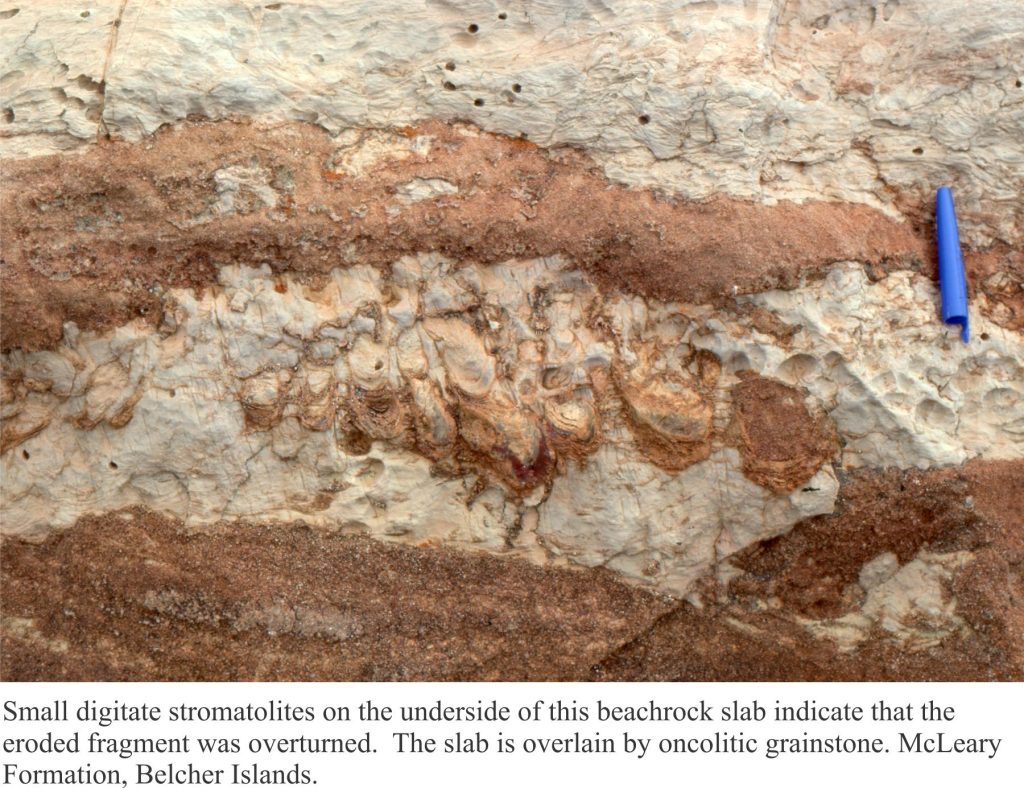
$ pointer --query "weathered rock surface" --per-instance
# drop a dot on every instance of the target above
(510, 407)
(869, 101)
(641, 299)
(132, 595)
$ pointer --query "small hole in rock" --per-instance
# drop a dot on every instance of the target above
(378, 365)
(25, 454)
(447, 85)
(9, 13)
(1018, 83)
(8, 115)
(318, 58)
(473, 28)
(918, 151)
(984, 335)
(84, 15)
(644, 119)
(517, 88)
(450, 65)
(478, 102)
(502, 15)
(173, 393)
(113, 465)
(273, 6)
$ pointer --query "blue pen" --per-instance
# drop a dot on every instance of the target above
(952, 279)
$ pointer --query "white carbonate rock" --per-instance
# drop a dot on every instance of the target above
(625, 513)
(878, 570)
(265, 400)
(913, 605)
(755, 98)
(902, 388)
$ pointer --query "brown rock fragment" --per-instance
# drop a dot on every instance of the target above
(671, 418)
(781, 443)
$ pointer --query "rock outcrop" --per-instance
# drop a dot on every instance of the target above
(640, 300)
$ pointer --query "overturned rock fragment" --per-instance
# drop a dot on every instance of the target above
(671, 418)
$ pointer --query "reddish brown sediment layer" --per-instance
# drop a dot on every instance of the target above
(978, 507)
(137, 596)
(146, 598)
(94, 237)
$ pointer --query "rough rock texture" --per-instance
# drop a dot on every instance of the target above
(639, 297)
(294, 198)
(867, 101)
(287, 602)
(512, 407)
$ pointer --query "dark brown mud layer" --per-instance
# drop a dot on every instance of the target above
(133, 595)
(95, 237)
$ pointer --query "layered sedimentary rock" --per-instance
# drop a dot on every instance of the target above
(641, 300)
(865, 101)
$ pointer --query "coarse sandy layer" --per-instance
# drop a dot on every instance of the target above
(131, 595)
(866, 103)
(95, 237)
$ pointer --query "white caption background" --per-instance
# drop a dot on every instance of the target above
(982, 712)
